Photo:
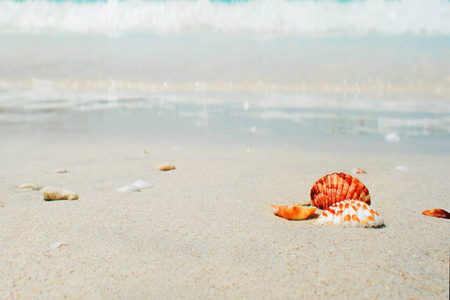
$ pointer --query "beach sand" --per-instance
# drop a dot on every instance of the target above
(206, 230)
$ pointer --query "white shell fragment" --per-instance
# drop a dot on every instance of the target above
(141, 184)
(31, 186)
(353, 213)
(57, 245)
(55, 193)
(129, 188)
(401, 168)
(392, 137)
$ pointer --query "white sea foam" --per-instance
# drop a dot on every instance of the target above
(263, 17)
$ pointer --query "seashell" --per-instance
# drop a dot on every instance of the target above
(28, 186)
(293, 212)
(57, 245)
(141, 184)
(60, 171)
(55, 193)
(358, 171)
(351, 213)
(167, 167)
(129, 188)
(437, 213)
(336, 187)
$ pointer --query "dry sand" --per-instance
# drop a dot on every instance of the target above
(206, 230)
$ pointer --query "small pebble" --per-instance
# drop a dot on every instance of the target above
(141, 184)
(129, 188)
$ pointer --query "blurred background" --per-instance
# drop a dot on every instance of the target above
(334, 46)
(361, 67)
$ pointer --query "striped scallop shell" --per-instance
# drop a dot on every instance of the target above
(336, 187)
(351, 213)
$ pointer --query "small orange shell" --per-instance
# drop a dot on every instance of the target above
(437, 213)
(336, 187)
(167, 167)
(293, 212)
(358, 171)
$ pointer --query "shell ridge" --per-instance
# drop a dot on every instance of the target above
(351, 189)
(348, 181)
(340, 187)
(334, 180)
(329, 193)
(359, 191)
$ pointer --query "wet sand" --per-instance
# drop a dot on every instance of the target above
(206, 230)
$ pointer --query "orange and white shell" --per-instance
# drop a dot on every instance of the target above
(353, 213)
(358, 171)
(293, 212)
(336, 187)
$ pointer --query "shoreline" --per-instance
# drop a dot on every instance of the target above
(366, 89)
(357, 65)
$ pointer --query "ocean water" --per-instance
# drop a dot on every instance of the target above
(260, 17)
(329, 45)
(366, 67)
